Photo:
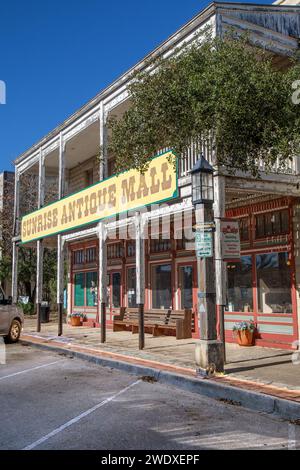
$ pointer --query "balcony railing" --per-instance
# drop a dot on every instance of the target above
(186, 163)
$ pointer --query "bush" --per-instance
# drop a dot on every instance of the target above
(28, 309)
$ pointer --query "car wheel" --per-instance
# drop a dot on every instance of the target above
(14, 332)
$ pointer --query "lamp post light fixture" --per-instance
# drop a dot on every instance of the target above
(209, 350)
(202, 182)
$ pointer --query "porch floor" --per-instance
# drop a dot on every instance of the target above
(263, 365)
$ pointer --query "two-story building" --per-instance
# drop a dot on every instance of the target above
(108, 268)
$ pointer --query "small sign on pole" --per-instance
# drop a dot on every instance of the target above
(204, 244)
(230, 240)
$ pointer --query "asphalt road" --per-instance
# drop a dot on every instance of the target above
(51, 401)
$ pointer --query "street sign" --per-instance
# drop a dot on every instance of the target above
(203, 244)
(230, 240)
(206, 226)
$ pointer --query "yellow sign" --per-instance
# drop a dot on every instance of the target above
(123, 192)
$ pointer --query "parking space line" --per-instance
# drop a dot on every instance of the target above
(78, 418)
(31, 369)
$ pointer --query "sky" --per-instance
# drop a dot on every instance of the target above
(55, 55)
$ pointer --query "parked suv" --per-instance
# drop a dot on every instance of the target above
(11, 319)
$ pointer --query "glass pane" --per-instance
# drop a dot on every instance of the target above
(108, 280)
(116, 290)
(79, 257)
(244, 229)
(274, 283)
(131, 287)
(161, 286)
(196, 193)
(79, 290)
(269, 224)
(186, 286)
(240, 298)
(91, 255)
(285, 221)
(276, 220)
(91, 289)
(260, 226)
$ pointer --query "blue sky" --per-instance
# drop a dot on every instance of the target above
(56, 55)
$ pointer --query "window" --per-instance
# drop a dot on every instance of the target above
(130, 249)
(116, 290)
(161, 244)
(86, 289)
(240, 297)
(186, 286)
(79, 290)
(91, 289)
(89, 177)
(78, 257)
(131, 287)
(185, 240)
(272, 223)
(115, 250)
(274, 283)
(91, 255)
(161, 286)
(244, 229)
(111, 167)
(260, 226)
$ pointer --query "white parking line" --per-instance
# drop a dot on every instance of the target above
(30, 370)
(78, 418)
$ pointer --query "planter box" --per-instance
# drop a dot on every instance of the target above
(76, 321)
(245, 338)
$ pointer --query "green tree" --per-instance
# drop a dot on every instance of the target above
(220, 87)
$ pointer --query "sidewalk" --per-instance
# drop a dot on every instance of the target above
(263, 370)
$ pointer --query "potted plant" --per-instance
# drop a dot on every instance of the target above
(76, 319)
(244, 331)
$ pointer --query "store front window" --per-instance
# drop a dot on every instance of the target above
(131, 287)
(161, 286)
(186, 286)
(91, 289)
(116, 290)
(79, 290)
(274, 283)
(240, 296)
(86, 289)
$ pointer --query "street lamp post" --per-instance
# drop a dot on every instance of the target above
(209, 350)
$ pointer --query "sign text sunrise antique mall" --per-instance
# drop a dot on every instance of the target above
(124, 192)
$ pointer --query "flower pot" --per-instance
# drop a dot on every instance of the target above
(245, 338)
(76, 321)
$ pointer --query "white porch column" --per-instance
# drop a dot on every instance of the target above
(60, 282)
(102, 278)
(103, 143)
(140, 275)
(220, 266)
(60, 241)
(61, 171)
(39, 244)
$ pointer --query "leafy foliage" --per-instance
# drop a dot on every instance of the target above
(220, 87)
(27, 255)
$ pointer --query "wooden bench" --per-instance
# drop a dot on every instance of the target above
(156, 322)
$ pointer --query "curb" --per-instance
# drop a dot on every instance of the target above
(253, 400)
